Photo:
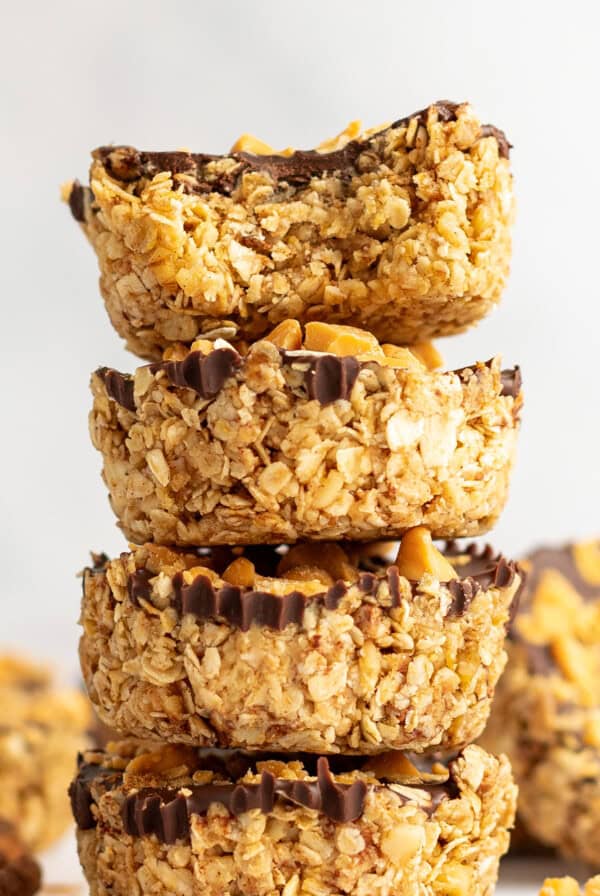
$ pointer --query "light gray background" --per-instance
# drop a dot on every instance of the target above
(162, 75)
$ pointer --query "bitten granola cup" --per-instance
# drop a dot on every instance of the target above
(405, 231)
(547, 712)
(279, 445)
(182, 822)
(317, 648)
(41, 730)
(20, 874)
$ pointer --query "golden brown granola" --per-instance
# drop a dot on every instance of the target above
(307, 650)
(547, 712)
(443, 839)
(212, 447)
(406, 231)
(41, 730)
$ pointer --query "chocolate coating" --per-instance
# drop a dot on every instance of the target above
(243, 608)
(166, 812)
(194, 172)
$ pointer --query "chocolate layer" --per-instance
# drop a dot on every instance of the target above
(194, 172)
(243, 608)
(166, 812)
(327, 378)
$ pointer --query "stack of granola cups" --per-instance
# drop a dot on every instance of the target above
(298, 695)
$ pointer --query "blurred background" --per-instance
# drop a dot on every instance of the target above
(186, 73)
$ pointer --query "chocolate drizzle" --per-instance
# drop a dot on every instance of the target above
(166, 812)
(330, 378)
(327, 377)
(245, 608)
(77, 198)
(119, 387)
(195, 172)
(512, 382)
(205, 374)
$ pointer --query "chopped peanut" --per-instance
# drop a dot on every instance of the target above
(587, 560)
(202, 345)
(418, 555)
(579, 666)
(241, 573)
(256, 147)
(282, 587)
(396, 766)
(167, 760)
(428, 354)
(560, 886)
(397, 356)
(288, 334)
(339, 340)
(309, 574)
(330, 557)
(190, 574)
(555, 606)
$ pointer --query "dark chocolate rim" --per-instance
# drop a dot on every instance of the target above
(127, 164)
(166, 811)
(327, 377)
(243, 607)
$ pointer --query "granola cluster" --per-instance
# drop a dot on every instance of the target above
(313, 654)
(440, 833)
(546, 716)
(41, 730)
(277, 446)
(405, 231)
(20, 874)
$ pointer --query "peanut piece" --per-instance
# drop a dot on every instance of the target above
(579, 667)
(256, 147)
(401, 843)
(287, 334)
(339, 340)
(560, 886)
(397, 767)
(240, 572)
(428, 354)
(587, 560)
(172, 757)
(418, 555)
(309, 574)
(554, 609)
(205, 346)
(398, 356)
(326, 556)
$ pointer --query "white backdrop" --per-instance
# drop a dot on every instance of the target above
(162, 75)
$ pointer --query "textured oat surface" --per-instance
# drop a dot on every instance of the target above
(405, 232)
(568, 886)
(41, 730)
(400, 844)
(395, 664)
(260, 461)
(547, 712)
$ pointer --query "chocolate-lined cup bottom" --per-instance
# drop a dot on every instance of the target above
(320, 647)
(263, 825)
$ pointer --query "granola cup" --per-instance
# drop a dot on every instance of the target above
(278, 445)
(405, 231)
(20, 874)
(315, 649)
(181, 822)
(546, 716)
(41, 730)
